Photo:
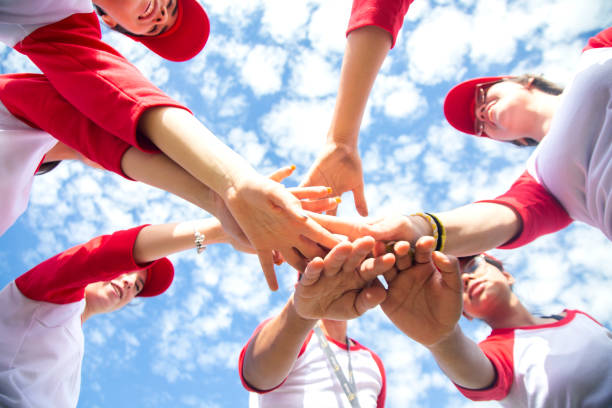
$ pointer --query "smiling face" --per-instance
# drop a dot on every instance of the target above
(108, 296)
(505, 112)
(486, 288)
(140, 17)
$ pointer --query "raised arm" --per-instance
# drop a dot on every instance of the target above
(424, 301)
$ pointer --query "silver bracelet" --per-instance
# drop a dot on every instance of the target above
(199, 240)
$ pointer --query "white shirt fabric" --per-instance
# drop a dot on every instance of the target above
(42, 351)
(19, 18)
(21, 150)
(313, 384)
(574, 160)
(557, 365)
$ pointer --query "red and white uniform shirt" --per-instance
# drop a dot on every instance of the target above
(63, 39)
(32, 116)
(312, 382)
(41, 341)
(562, 364)
(569, 175)
(386, 14)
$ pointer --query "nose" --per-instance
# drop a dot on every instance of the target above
(163, 15)
(480, 112)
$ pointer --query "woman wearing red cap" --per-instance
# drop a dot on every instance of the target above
(568, 177)
(560, 360)
(42, 311)
(63, 39)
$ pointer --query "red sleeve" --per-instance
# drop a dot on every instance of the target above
(539, 211)
(245, 384)
(386, 14)
(602, 40)
(93, 77)
(498, 349)
(63, 278)
(32, 99)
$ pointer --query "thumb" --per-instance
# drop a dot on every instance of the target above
(282, 173)
(360, 202)
(449, 269)
(369, 298)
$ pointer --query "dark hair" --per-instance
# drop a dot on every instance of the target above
(117, 27)
(47, 167)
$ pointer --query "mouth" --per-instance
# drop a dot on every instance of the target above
(117, 290)
(149, 11)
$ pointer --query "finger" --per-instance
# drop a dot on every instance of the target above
(310, 192)
(369, 298)
(404, 254)
(334, 210)
(325, 204)
(423, 249)
(309, 249)
(336, 257)
(318, 234)
(361, 248)
(446, 263)
(360, 202)
(265, 259)
(390, 275)
(351, 229)
(294, 258)
(282, 173)
(312, 273)
(277, 258)
(372, 267)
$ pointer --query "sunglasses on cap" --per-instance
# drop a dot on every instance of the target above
(480, 98)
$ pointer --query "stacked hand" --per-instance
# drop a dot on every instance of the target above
(343, 285)
(424, 299)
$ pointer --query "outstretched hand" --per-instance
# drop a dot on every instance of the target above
(424, 299)
(343, 285)
(339, 167)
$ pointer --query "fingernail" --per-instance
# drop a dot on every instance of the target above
(278, 261)
(293, 167)
(329, 190)
(338, 200)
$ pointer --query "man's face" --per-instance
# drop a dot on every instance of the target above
(141, 17)
(108, 296)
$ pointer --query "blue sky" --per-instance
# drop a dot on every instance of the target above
(266, 84)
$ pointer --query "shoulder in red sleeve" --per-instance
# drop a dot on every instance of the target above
(539, 211)
(386, 14)
(63, 278)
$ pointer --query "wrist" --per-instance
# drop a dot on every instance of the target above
(446, 340)
(418, 227)
(294, 316)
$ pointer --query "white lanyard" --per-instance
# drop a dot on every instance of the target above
(348, 386)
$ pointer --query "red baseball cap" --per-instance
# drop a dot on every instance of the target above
(159, 278)
(459, 104)
(185, 39)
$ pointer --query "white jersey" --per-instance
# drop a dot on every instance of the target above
(21, 151)
(574, 160)
(313, 384)
(19, 18)
(42, 351)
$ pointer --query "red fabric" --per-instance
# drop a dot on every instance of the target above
(498, 348)
(386, 14)
(32, 99)
(539, 211)
(601, 40)
(94, 77)
(62, 279)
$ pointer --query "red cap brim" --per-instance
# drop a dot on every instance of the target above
(159, 278)
(185, 39)
(459, 104)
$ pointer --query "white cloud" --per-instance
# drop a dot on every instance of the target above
(313, 75)
(263, 69)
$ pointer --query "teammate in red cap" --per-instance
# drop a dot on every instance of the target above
(568, 177)
(528, 360)
(42, 311)
(63, 39)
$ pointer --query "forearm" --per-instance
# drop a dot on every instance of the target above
(157, 241)
(273, 351)
(158, 170)
(366, 49)
(478, 227)
(463, 362)
(190, 144)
